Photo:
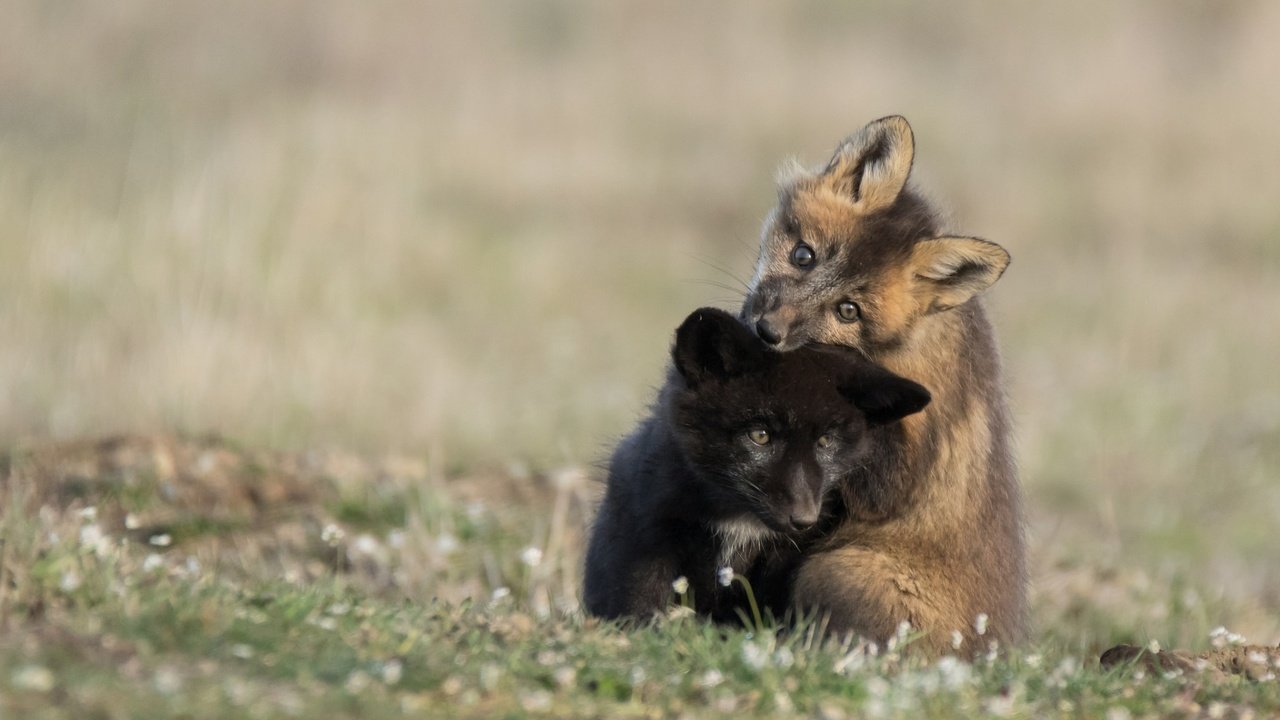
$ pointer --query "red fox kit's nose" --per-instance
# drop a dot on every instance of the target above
(768, 332)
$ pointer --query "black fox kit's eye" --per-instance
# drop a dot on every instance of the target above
(759, 436)
(848, 311)
(802, 255)
(825, 441)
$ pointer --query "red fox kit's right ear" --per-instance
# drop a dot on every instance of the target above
(871, 166)
(711, 343)
(950, 270)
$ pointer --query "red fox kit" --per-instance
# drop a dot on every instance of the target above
(852, 256)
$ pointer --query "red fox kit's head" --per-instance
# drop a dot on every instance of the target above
(851, 257)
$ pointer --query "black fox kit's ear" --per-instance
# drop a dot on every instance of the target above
(871, 165)
(712, 343)
(950, 270)
(882, 396)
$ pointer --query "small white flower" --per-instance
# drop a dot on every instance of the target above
(784, 658)
(88, 514)
(168, 681)
(1118, 713)
(446, 544)
(161, 540)
(536, 701)
(242, 651)
(489, 676)
(953, 672)
(91, 535)
(332, 535)
(680, 585)
(724, 576)
(980, 624)
(395, 539)
(500, 593)
(531, 556)
(956, 639)
(131, 522)
(366, 544)
(1222, 637)
(339, 608)
(152, 563)
(1153, 646)
(392, 671)
(356, 682)
(70, 581)
(711, 678)
(33, 677)
(904, 629)
(999, 706)
(564, 677)
(754, 656)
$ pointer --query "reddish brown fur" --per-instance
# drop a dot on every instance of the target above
(949, 546)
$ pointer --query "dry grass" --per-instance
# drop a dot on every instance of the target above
(465, 232)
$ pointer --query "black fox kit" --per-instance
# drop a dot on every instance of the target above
(853, 257)
(732, 468)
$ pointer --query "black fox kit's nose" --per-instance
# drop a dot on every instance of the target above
(805, 507)
(804, 519)
(768, 332)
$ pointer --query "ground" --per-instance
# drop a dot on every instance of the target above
(188, 577)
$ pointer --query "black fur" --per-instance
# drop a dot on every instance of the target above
(692, 466)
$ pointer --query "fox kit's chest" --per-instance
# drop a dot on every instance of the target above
(740, 539)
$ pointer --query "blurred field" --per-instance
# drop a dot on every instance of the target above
(463, 233)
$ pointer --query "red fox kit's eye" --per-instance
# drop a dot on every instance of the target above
(848, 311)
(802, 255)
(825, 441)
(759, 436)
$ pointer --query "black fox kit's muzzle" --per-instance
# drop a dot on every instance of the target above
(804, 511)
(803, 503)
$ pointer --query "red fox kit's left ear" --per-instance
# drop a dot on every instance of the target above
(871, 166)
(950, 270)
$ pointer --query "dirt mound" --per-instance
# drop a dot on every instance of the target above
(1256, 662)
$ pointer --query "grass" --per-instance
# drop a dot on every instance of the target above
(300, 614)
(239, 241)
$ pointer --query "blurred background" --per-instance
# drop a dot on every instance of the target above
(466, 231)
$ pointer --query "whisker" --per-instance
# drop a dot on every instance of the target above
(725, 271)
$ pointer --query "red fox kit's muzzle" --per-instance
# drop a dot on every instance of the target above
(775, 326)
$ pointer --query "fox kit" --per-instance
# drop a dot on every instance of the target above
(852, 256)
(732, 468)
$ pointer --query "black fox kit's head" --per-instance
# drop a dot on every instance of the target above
(770, 431)
(850, 257)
